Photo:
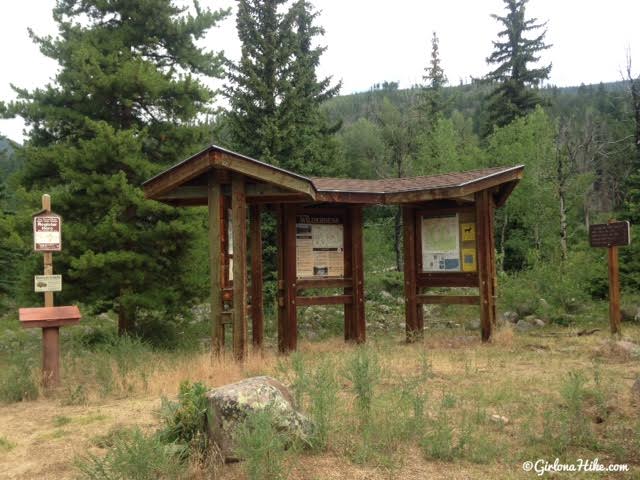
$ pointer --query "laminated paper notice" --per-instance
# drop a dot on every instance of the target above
(440, 244)
(319, 247)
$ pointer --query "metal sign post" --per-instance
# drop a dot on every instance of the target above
(612, 235)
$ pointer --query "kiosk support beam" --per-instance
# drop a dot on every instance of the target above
(215, 263)
(413, 321)
(239, 227)
(257, 311)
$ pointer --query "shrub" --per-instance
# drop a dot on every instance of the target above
(185, 420)
(262, 446)
(363, 371)
(17, 383)
(323, 395)
(133, 455)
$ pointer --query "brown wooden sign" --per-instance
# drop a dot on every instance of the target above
(615, 234)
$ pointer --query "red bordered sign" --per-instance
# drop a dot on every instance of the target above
(47, 232)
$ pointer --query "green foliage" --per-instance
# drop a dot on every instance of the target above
(6, 445)
(185, 420)
(323, 391)
(132, 454)
(262, 446)
(274, 92)
(363, 371)
(122, 106)
(513, 97)
(17, 380)
(565, 286)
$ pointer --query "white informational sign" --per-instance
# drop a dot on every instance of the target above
(319, 246)
(47, 283)
(47, 233)
(441, 244)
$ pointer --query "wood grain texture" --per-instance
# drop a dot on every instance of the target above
(257, 311)
(413, 328)
(216, 263)
(239, 227)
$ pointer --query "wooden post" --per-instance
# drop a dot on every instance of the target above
(357, 274)
(50, 335)
(492, 260)
(290, 323)
(282, 310)
(614, 289)
(485, 257)
(239, 227)
(257, 311)
(349, 328)
(413, 328)
(215, 263)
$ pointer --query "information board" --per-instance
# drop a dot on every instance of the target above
(319, 246)
(47, 235)
(615, 234)
(440, 244)
(47, 283)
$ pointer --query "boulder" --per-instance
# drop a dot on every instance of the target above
(511, 317)
(538, 323)
(626, 348)
(229, 406)
(524, 309)
(386, 295)
(630, 314)
(523, 325)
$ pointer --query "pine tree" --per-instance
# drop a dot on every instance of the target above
(308, 146)
(122, 106)
(432, 102)
(515, 95)
(274, 93)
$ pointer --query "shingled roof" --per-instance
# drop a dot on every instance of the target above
(185, 183)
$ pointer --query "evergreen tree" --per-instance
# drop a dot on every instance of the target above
(515, 95)
(308, 147)
(274, 93)
(123, 105)
(432, 102)
(257, 81)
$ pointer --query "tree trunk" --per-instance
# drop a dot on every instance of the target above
(398, 240)
(563, 224)
(126, 319)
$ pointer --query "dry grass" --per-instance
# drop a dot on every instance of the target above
(517, 376)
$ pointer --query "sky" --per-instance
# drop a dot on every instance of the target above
(370, 41)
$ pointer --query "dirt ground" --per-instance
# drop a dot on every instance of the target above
(45, 436)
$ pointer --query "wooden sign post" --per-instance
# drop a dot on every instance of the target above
(612, 235)
(47, 238)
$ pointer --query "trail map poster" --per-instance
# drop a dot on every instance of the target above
(319, 246)
(441, 244)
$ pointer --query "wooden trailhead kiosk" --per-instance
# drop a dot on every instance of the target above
(448, 239)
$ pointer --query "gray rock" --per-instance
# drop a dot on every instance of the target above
(630, 314)
(524, 309)
(474, 324)
(386, 295)
(538, 323)
(523, 325)
(499, 419)
(511, 317)
(625, 347)
(228, 407)
(384, 308)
